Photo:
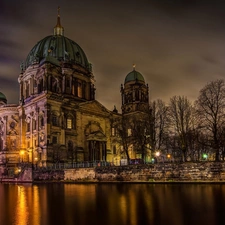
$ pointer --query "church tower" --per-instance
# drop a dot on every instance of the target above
(134, 93)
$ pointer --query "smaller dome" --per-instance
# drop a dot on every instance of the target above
(134, 76)
(3, 98)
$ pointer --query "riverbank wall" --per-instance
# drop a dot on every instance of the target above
(165, 172)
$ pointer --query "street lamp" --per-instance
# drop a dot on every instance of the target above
(205, 156)
(22, 154)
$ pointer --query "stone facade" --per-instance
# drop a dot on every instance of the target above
(58, 119)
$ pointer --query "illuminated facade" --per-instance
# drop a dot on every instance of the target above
(58, 118)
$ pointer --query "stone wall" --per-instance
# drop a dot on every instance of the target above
(183, 172)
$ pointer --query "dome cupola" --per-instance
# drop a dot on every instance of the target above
(56, 49)
(134, 76)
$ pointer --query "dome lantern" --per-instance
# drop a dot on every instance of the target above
(58, 29)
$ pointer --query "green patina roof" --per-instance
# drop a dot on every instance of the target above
(2, 97)
(58, 48)
(134, 76)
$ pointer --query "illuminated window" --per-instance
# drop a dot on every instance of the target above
(129, 132)
(69, 123)
(79, 90)
(113, 131)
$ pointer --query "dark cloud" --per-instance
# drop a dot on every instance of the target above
(177, 45)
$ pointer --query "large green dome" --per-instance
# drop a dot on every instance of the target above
(134, 76)
(56, 48)
(3, 98)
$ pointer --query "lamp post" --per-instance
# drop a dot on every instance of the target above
(205, 156)
(22, 154)
(157, 154)
(36, 160)
(169, 157)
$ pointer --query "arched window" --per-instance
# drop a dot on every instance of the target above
(34, 124)
(54, 120)
(79, 89)
(40, 86)
(42, 123)
(27, 89)
(54, 86)
(28, 127)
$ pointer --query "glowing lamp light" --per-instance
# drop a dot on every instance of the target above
(168, 156)
(157, 153)
(205, 156)
(22, 152)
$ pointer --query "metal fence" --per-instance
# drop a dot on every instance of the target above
(59, 166)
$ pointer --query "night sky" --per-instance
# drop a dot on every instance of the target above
(177, 45)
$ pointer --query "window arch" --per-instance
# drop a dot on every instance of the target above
(40, 86)
(54, 120)
(42, 123)
(28, 127)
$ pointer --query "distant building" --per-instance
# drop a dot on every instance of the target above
(58, 118)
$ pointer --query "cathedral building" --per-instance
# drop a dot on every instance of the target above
(58, 118)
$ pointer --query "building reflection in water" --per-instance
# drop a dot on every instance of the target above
(133, 204)
(27, 207)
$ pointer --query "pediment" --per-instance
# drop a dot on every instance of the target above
(96, 136)
(94, 107)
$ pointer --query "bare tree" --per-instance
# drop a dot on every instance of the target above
(181, 119)
(210, 109)
(122, 128)
(158, 124)
(59, 153)
(139, 137)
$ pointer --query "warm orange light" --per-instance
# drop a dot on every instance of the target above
(157, 153)
(22, 152)
(168, 156)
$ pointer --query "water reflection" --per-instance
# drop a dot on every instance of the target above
(111, 204)
(27, 208)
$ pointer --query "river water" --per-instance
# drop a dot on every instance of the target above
(112, 204)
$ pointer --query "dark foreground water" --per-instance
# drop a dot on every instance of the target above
(112, 204)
